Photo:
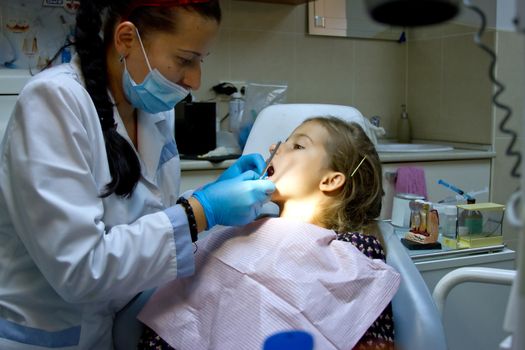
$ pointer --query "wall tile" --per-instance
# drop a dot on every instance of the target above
(439, 31)
(467, 90)
(511, 73)
(379, 86)
(262, 56)
(324, 70)
(424, 91)
(503, 184)
(246, 15)
(216, 66)
(425, 33)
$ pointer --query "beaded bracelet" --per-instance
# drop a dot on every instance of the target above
(191, 217)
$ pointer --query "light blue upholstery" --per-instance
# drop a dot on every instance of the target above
(417, 321)
(276, 122)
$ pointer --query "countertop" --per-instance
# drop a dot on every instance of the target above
(456, 154)
(430, 256)
(385, 157)
(192, 165)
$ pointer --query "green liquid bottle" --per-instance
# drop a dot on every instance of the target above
(473, 219)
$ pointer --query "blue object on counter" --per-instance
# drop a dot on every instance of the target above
(454, 188)
(289, 340)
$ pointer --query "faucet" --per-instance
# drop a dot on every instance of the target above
(375, 120)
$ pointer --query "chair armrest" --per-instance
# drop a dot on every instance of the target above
(469, 274)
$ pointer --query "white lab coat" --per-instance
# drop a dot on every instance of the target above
(68, 258)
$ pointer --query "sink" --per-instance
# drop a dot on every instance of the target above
(412, 147)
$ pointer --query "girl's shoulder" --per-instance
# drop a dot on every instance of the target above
(368, 245)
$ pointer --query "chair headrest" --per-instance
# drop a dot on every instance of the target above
(276, 122)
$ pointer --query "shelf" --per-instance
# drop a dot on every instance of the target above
(12, 80)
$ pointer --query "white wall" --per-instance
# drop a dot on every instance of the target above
(470, 18)
(506, 13)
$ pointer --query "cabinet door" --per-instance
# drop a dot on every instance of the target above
(7, 103)
(468, 175)
(474, 312)
(327, 17)
(348, 18)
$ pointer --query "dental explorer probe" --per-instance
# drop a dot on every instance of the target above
(269, 160)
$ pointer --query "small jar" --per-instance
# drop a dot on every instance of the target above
(449, 221)
(471, 220)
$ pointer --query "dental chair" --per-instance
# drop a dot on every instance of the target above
(417, 320)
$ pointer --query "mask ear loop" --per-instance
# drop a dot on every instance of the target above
(143, 50)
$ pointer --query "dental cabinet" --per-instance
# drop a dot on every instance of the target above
(473, 313)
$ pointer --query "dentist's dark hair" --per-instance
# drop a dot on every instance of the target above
(101, 16)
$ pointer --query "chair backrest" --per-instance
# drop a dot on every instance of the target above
(417, 320)
(276, 122)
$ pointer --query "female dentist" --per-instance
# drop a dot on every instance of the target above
(90, 213)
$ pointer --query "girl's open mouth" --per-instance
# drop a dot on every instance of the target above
(270, 171)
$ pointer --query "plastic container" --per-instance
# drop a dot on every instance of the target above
(471, 220)
(403, 127)
(449, 221)
(236, 107)
(480, 225)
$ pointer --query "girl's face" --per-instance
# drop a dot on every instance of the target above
(300, 163)
(178, 55)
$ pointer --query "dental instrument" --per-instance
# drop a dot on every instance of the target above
(455, 189)
(270, 159)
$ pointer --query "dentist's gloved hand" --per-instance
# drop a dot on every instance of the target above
(245, 163)
(235, 201)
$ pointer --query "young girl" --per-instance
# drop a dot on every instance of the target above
(328, 173)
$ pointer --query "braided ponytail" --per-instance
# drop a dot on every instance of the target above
(123, 163)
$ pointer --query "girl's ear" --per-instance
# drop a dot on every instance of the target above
(332, 181)
(124, 36)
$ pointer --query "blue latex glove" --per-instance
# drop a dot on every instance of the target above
(235, 201)
(245, 163)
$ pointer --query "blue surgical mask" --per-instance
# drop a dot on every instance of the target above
(156, 93)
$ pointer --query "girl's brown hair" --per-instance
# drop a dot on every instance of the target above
(355, 207)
